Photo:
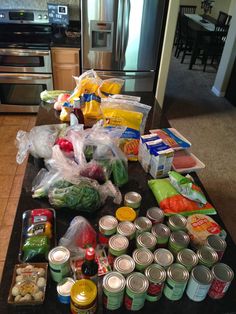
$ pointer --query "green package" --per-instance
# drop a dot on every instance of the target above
(36, 248)
(119, 172)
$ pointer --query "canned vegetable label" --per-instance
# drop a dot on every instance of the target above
(222, 277)
(199, 283)
(156, 276)
(136, 289)
(113, 290)
(177, 277)
(59, 263)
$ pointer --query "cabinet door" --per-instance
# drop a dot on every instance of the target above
(62, 76)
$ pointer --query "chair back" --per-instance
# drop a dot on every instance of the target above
(191, 9)
(228, 20)
(220, 35)
(222, 18)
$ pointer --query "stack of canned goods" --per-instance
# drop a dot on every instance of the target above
(160, 264)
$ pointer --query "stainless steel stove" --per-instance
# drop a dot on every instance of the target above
(25, 59)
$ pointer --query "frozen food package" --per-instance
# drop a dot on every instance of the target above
(130, 114)
(172, 137)
(110, 86)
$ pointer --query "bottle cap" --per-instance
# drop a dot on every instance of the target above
(90, 254)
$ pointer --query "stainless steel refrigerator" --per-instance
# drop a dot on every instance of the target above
(123, 38)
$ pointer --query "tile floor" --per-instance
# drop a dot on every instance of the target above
(11, 174)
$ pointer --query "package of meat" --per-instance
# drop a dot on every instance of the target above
(184, 162)
(172, 137)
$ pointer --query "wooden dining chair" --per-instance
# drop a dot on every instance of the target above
(222, 18)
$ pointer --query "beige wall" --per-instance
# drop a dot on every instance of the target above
(231, 7)
(167, 50)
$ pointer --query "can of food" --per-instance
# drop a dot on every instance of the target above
(155, 214)
(133, 200)
(126, 214)
(136, 290)
(218, 244)
(207, 256)
(163, 257)
(124, 264)
(142, 224)
(177, 278)
(113, 290)
(162, 234)
(107, 227)
(83, 297)
(59, 263)
(117, 246)
(64, 289)
(146, 240)
(222, 277)
(187, 258)
(127, 229)
(177, 222)
(199, 283)
(156, 276)
(142, 258)
(178, 240)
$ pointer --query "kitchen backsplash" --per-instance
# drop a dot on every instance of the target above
(74, 11)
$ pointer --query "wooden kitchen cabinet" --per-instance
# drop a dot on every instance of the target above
(65, 64)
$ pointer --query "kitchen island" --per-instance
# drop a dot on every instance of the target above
(137, 182)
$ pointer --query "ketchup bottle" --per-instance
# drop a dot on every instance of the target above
(90, 266)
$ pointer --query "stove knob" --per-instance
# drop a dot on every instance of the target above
(45, 16)
(40, 17)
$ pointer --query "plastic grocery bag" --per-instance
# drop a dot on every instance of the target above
(79, 235)
(172, 202)
(38, 142)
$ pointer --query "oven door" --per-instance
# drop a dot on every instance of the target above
(20, 92)
(25, 60)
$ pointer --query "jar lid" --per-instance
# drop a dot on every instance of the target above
(84, 292)
(125, 214)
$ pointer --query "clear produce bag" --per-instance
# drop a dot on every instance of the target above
(38, 142)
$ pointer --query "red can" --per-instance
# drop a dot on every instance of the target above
(223, 275)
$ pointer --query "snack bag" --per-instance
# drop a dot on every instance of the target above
(110, 86)
(91, 109)
(172, 202)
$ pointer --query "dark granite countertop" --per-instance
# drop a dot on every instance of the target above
(137, 182)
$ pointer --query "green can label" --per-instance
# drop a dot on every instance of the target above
(173, 290)
(112, 301)
(134, 302)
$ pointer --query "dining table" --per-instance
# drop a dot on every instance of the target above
(200, 27)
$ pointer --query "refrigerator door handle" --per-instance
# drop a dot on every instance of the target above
(119, 30)
(125, 29)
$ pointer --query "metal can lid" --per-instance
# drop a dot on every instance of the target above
(125, 214)
(177, 220)
(83, 292)
(118, 242)
(160, 230)
(143, 223)
(132, 199)
(202, 275)
(126, 228)
(137, 283)
(114, 282)
(207, 254)
(222, 272)
(143, 256)
(64, 286)
(177, 273)
(59, 255)
(163, 257)
(187, 257)
(180, 237)
(155, 213)
(146, 239)
(155, 273)
(124, 264)
(108, 222)
(216, 242)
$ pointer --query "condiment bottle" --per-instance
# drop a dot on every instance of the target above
(90, 266)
